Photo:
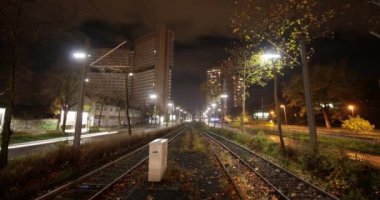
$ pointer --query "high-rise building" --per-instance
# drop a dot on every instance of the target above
(106, 77)
(154, 60)
(237, 90)
(214, 83)
(151, 62)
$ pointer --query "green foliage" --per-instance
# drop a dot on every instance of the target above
(357, 124)
(94, 129)
(47, 125)
(329, 84)
(349, 179)
(352, 179)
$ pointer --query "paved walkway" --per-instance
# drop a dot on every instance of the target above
(34, 147)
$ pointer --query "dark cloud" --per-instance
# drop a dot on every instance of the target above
(201, 29)
(188, 18)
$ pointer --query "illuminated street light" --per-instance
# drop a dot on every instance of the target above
(213, 105)
(352, 108)
(270, 56)
(286, 120)
(130, 74)
(224, 96)
(153, 96)
(80, 55)
(87, 80)
(224, 106)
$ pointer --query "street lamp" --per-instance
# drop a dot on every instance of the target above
(286, 120)
(80, 56)
(351, 107)
(224, 107)
(170, 105)
(154, 97)
(179, 114)
(271, 57)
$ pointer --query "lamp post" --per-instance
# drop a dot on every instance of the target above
(179, 114)
(154, 97)
(82, 57)
(127, 98)
(213, 105)
(352, 108)
(224, 107)
(170, 105)
(286, 120)
(272, 57)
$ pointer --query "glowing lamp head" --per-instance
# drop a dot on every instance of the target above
(153, 96)
(79, 55)
(270, 56)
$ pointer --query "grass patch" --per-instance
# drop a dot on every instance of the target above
(342, 143)
(328, 141)
(20, 137)
(24, 177)
(331, 169)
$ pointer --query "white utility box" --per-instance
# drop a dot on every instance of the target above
(158, 155)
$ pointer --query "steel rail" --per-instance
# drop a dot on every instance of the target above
(104, 168)
(217, 138)
(250, 167)
(225, 170)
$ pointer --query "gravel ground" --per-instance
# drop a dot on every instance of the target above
(193, 173)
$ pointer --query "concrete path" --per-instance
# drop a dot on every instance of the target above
(40, 146)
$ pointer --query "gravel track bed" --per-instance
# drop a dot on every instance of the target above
(193, 173)
(288, 184)
(88, 186)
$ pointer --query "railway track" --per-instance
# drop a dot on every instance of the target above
(286, 184)
(93, 184)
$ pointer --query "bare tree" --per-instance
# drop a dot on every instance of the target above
(19, 20)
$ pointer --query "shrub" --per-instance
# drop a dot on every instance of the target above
(357, 124)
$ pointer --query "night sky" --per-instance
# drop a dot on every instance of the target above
(201, 29)
(202, 33)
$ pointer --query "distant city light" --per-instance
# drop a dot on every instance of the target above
(87, 80)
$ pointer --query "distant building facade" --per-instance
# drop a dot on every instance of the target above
(154, 60)
(237, 90)
(214, 83)
(150, 63)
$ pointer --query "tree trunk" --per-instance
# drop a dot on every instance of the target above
(282, 143)
(243, 108)
(326, 118)
(59, 119)
(308, 99)
(100, 114)
(7, 132)
(65, 111)
(127, 104)
(119, 116)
